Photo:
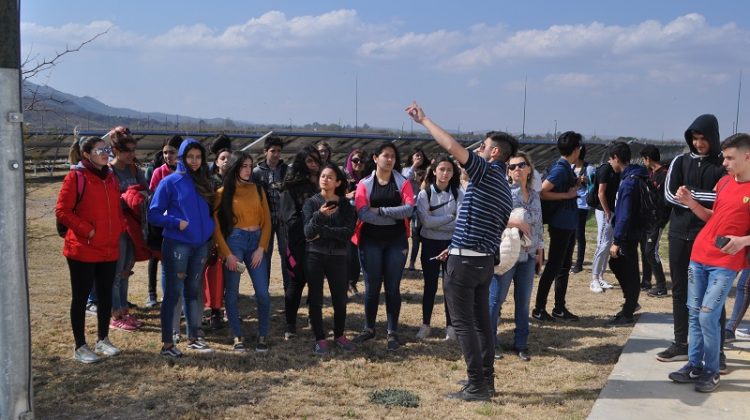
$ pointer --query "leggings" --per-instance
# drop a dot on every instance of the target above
(82, 276)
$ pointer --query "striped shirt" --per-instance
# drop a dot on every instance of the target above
(486, 207)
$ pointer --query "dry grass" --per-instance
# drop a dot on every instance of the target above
(570, 361)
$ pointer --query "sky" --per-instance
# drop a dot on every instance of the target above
(641, 68)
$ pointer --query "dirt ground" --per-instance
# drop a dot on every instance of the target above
(570, 361)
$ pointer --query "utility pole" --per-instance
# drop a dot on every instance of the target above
(739, 93)
(15, 338)
(523, 127)
(356, 101)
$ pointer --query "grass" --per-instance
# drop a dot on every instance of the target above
(570, 361)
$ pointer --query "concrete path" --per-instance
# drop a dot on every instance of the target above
(638, 387)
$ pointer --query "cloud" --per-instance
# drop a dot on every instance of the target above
(572, 80)
(431, 44)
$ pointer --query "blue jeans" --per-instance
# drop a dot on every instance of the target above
(383, 265)
(741, 301)
(125, 263)
(281, 244)
(708, 288)
(522, 275)
(242, 244)
(183, 266)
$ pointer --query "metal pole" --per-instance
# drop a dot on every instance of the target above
(15, 339)
(739, 94)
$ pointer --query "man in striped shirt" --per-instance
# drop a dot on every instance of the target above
(481, 220)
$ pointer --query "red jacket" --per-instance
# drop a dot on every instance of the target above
(99, 209)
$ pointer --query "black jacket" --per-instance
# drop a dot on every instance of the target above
(328, 235)
(699, 173)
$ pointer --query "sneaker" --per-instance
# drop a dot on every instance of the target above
(91, 309)
(675, 353)
(199, 345)
(238, 346)
(523, 355)
(498, 353)
(393, 343)
(132, 305)
(353, 291)
(262, 345)
(621, 320)
(723, 363)
(541, 315)
(170, 351)
(176, 337)
(687, 374)
(130, 318)
(366, 334)
(215, 322)
(729, 336)
(122, 324)
(636, 309)
(575, 270)
(151, 302)
(708, 382)
(424, 332)
(106, 347)
(604, 284)
(564, 314)
(742, 333)
(645, 286)
(657, 293)
(344, 344)
(450, 333)
(84, 354)
(596, 287)
(321, 348)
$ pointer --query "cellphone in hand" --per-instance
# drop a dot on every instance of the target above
(332, 204)
(721, 241)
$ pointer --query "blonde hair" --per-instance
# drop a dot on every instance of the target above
(527, 159)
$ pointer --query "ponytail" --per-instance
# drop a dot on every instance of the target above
(85, 144)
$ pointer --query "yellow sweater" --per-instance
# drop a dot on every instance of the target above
(249, 210)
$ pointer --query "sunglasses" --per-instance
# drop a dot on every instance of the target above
(356, 161)
(521, 165)
(102, 150)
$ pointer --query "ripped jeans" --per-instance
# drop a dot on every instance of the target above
(708, 288)
(183, 268)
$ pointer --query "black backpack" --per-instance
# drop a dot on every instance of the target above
(650, 204)
(592, 199)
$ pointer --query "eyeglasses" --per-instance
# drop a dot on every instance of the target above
(519, 165)
(356, 161)
(102, 150)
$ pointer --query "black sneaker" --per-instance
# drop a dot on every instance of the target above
(729, 337)
(575, 270)
(393, 343)
(171, 351)
(523, 355)
(675, 353)
(621, 320)
(490, 385)
(262, 345)
(657, 293)
(564, 314)
(708, 382)
(365, 335)
(645, 286)
(687, 374)
(199, 345)
(542, 315)
(723, 363)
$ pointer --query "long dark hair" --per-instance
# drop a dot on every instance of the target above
(299, 172)
(79, 146)
(340, 176)
(226, 212)
(397, 161)
(453, 184)
(425, 161)
(201, 178)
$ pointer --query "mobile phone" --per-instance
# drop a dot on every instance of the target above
(721, 241)
(332, 204)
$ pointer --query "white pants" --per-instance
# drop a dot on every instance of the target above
(604, 240)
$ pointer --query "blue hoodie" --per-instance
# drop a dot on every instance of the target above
(177, 199)
(624, 223)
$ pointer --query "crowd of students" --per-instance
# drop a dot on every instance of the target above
(330, 223)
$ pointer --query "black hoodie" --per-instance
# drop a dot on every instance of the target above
(699, 173)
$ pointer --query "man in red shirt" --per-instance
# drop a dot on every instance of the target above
(718, 254)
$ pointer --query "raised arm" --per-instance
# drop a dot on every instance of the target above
(445, 140)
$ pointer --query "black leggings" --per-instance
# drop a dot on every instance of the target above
(557, 269)
(332, 267)
(295, 265)
(583, 217)
(431, 273)
(153, 268)
(83, 275)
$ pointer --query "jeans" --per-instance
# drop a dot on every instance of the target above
(604, 240)
(522, 276)
(353, 266)
(183, 266)
(82, 276)
(651, 261)
(741, 301)
(332, 267)
(431, 273)
(281, 243)
(242, 244)
(466, 289)
(583, 217)
(625, 269)
(383, 265)
(125, 263)
(679, 260)
(557, 269)
(708, 288)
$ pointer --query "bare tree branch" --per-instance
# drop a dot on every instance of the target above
(49, 63)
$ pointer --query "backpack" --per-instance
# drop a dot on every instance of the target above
(550, 207)
(62, 230)
(428, 191)
(651, 203)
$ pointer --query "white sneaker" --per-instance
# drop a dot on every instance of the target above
(604, 285)
(742, 333)
(84, 354)
(424, 332)
(450, 333)
(106, 348)
(596, 287)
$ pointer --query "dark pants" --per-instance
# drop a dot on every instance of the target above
(383, 264)
(352, 264)
(296, 272)
(583, 217)
(415, 241)
(557, 269)
(332, 267)
(467, 290)
(153, 268)
(82, 276)
(651, 261)
(625, 269)
(431, 273)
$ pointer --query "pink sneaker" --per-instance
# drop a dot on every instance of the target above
(131, 319)
(122, 324)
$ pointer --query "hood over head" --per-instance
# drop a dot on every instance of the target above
(187, 144)
(708, 125)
